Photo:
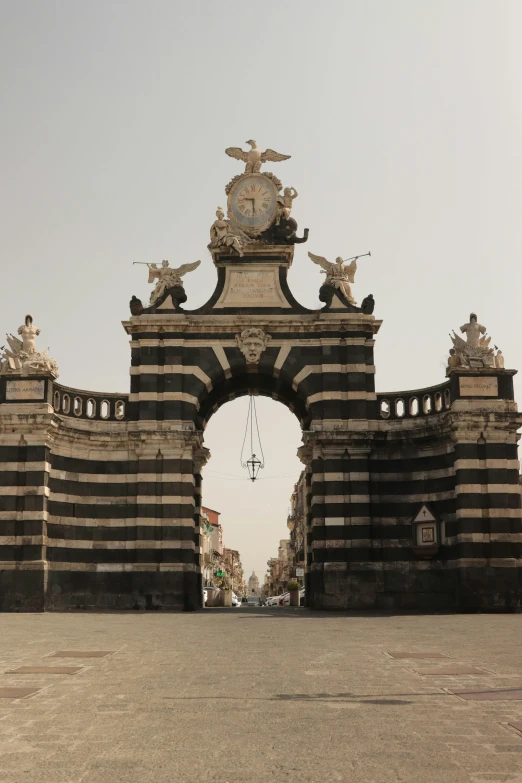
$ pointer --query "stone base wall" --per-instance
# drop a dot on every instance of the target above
(169, 590)
(22, 589)
(395, 587)
(381, 587)
(42, 590)
(489, 589)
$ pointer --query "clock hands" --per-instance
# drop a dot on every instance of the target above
(259, 198)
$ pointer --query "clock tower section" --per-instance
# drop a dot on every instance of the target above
(254, 247)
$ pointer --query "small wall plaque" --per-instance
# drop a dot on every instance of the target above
(25, 390)
(478, 387)
(426, 533)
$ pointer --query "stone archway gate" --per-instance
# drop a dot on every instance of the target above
(413, 497)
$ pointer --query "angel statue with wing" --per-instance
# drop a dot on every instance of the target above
(167, 277)
(339, 275)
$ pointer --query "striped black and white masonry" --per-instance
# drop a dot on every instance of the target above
(413, 497)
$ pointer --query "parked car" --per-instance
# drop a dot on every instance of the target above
(273, 600)
(235, 600)
(284, 599)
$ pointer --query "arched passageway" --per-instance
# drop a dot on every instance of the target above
(253, 517)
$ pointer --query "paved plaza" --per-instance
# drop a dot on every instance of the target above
(260, 695)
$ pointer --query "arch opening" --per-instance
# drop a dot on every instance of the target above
(256, 518)
(252, 383)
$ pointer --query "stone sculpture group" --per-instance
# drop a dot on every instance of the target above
(22, 357)
(475, 351)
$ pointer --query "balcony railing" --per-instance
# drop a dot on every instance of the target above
(415, 403)
(94, 406)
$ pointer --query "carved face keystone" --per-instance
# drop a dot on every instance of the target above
(252, 342)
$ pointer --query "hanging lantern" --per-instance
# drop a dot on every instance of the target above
(253, 464)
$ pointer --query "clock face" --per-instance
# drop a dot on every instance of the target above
(253, 202)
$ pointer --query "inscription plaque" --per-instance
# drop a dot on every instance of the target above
(252, 286)
(479, 387)
(25, 390)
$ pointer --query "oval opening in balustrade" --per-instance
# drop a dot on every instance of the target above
(447, 398)
(78, 406)
(66, 403)
(400, 408)
(385, 409)
(119, 409)
(427, 404)
(105, 410)
(438, 401)
(57, 401)
(91, 409)
(414, 406)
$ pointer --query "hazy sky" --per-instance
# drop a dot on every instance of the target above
(403, 120)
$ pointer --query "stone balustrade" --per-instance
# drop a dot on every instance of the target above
(95, 406)
(415, 403)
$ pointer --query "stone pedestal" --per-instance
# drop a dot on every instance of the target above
(225, 598)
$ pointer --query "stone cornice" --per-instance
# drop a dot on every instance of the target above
(316, 321)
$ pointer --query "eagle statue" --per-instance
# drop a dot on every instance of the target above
(253, 158)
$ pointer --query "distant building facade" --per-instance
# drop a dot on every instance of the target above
(296, 524)
(280, 568)
(211, 544)
(234, 570)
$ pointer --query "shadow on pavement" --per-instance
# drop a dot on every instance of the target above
(392, 699)
(305, 613)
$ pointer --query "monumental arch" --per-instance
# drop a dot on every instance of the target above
(413, 497)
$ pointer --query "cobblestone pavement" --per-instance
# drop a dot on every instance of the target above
(260, 695)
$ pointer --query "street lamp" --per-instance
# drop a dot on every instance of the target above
(253, 465)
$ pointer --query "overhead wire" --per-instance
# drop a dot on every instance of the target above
(251, 414)
(258, 435)
(207, 476)
(246, 431)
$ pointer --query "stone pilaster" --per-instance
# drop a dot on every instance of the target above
(26, 434)
(339, 538)
(484, 542)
